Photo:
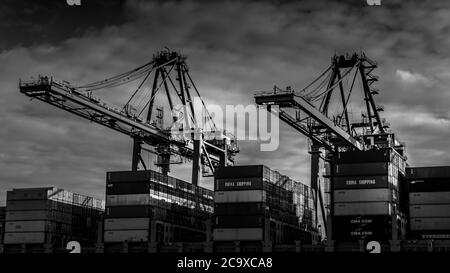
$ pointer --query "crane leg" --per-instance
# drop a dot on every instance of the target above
(196, 162)
(136, 154)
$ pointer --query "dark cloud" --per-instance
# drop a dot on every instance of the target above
(50, 21)
(233, 48)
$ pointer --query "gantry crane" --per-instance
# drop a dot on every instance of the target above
(168, 71)
(331, 132)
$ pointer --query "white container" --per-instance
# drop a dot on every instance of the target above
(363, 208)
(238, 234)
(128, 200)
(112, 236)
(429, 211)
(24, 238)
(430, 223)
(363, 195)
(416, 198)
(26, 226)
(239, 196)
(127, 223)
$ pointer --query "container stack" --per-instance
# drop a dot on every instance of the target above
(147, 206)
(254, 203)
(2, 223)
(366, 203)
(51, 216)
(429, 202)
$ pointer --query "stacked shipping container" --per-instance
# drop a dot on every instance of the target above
(51, 216)
(429, 202)
(147, 206)
(254, 203)
(366, 195)
(2, 223)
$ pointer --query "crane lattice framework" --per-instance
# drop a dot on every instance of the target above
(331, 132)
(167, 71)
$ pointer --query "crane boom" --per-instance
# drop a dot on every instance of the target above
(289, 99)
(84, 104)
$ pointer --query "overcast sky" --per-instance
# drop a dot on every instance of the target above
(234, 49)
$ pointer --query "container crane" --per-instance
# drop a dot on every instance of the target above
(168, 71)
(332, 132)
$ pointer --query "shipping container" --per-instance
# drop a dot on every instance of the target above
(429, 210)
(112, 236)
(127, 188)
(417, 198)
(238, 221)
(429, 234)
(239, 196)
(56, 216)
(376, 227)
(365, 195)
(128, 199)
(27, 226)
(372, 169)
(372, 156)
(29, 205)
(128, 212)
(27, 194)
(429, 185)
(430, 224)
(363, 208)
(238, 234)
(127, 223)
(362, 182)
(240, 209)
(24, 238)
(240, 171)
(234, 184)
(127, 176)
(427, 172)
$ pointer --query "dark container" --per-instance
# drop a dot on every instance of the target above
(29, 205)
(128, 176)
(429, 235)
(127, 188)
(239, 209)
(238, 221)
(2, 213)
(427, 172)
(376, 227)
(429, 185)
(233, 184)
(372, 156)
(372, 169)
(360, 182)
(240, 171)
(27, 194)
(128, 212)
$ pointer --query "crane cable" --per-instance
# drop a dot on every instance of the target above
(315, 80)
(336, 83)
(125, 77)
(203, 102)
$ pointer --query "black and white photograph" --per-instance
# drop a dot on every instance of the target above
(234, 131)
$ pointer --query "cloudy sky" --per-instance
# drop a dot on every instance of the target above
(234, 49)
